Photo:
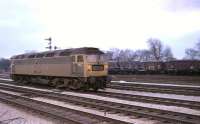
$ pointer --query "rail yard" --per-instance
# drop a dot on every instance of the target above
(100, 62)
(120, 103)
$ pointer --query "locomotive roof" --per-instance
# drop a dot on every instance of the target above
(64, 52)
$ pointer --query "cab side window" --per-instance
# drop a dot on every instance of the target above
(79, 58)
(73, 59)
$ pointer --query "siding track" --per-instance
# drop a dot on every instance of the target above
(156, 88)
(150, 99)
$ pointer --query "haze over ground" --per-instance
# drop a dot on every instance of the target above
(24, 24)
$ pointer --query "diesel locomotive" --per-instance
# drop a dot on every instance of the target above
(77, 68)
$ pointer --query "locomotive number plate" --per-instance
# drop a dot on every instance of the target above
(97, 67)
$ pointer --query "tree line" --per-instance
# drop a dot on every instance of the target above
(156, 51)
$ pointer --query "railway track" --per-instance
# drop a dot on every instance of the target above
(150, 99)
(147, 99)
(163, 116)
(65, 114)
(194, 91)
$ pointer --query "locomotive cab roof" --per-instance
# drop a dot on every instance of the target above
(64, 52)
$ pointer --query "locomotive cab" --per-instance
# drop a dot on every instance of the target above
(93, 67)
(96, 65)
(97, 69)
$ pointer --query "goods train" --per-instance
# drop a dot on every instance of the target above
(175, 67)
(78, 68)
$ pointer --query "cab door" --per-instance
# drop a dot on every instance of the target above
(77, 65)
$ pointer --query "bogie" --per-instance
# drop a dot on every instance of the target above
(63, 82)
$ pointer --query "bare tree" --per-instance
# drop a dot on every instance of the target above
(121, 55)
(193, 53)
(143, 55)
(123, 58)
(167, 54)
(109, 55)
(115, 54)
(126, 55)
(156, 47)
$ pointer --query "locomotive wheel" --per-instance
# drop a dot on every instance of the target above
(53, 82)
(25, 81)
(20, 80)
(75, 84)
(85, 87)
(95, 89)
(67, 82)
(60, 84)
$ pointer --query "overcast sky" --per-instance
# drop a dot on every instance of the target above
(24, 24)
